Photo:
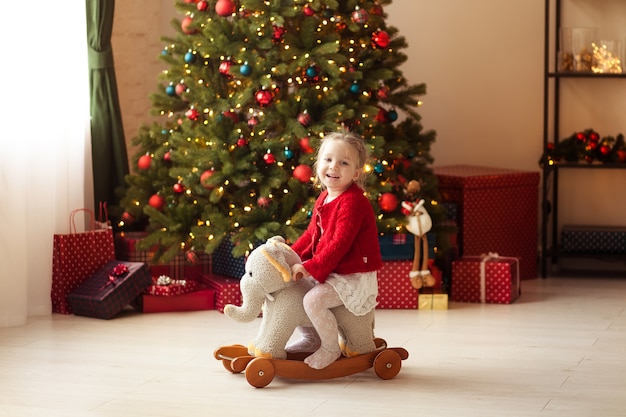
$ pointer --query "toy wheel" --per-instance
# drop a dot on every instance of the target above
(260, 372)
(387, 364)
(228, 365)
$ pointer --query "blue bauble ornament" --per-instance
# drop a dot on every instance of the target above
(355, 88)
(392, 115)
(245, 69)
(164, 131)
(288, 153)
(170, 90)
(379, 168)
(311, 72)
(190, 57)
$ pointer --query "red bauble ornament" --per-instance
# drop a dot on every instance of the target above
(144, 162)
(128, 218)
(224, 7)
(178, 188)
(621, 155)
(192, 114)
(156, 201)
(185, 25)
(263, 202)
(277, 33)
(167, 157)
(304, 118)
(303, 173)
(383, 93)
(180, 88)
(381, 117)
(269, 158)
(202, 5)
(224, 68)
(205, 178)
(253, 121)
(241, 142)
(192, 257)
(305, 146)
(263, 97)
(388, 202)
(232, 116)
(360, 16)
(380, 39)
(308, 10)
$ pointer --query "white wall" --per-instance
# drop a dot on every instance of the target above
(482, 62)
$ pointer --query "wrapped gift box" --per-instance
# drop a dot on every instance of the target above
(226, 290)
(110, 289)
(432, 300)
(394, 285)
(585, 239)
(487, 279)
(497, 211)
(202, 299)
(178, 268)
(401, 246)
(225, 264)
(174, 287)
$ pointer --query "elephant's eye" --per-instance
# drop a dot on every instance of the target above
(250, 273)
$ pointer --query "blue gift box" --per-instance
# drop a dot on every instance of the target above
(224, 263)
(110, 289)
(401, 246)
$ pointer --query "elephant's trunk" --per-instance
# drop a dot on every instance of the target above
(253, 297)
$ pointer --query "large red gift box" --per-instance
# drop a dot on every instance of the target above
(178, 268)
(226, 289)
(487, 279)
(202, 299)
(110, 289)
(497, 211)
(394, 285)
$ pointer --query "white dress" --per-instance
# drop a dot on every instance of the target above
(357, 291)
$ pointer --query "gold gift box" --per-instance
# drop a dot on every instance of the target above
(432, 302)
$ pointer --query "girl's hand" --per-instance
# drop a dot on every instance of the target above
(298, 272)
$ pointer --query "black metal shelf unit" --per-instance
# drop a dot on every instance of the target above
(551, 115)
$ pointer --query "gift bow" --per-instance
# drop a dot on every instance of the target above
(119, 269)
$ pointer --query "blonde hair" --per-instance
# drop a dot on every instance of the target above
(357, 144)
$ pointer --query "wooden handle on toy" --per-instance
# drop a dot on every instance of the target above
(298, 276)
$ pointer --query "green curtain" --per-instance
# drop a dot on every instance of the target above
(109, 155)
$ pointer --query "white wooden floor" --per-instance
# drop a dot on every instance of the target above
(560, 350)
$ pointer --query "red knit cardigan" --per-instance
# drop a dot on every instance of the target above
(342, 236)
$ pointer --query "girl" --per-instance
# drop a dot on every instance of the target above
(339, 249)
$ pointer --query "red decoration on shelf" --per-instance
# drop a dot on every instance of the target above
(144, 162)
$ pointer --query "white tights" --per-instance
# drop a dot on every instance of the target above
(317, 304)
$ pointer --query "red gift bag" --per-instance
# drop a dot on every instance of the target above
(77, 256)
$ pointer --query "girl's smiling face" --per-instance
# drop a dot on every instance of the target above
(337, 166)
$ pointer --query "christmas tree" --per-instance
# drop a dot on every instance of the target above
(251, 88)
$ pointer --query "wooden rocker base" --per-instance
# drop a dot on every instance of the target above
(260, 371)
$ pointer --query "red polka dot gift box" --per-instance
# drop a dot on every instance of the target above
(226, 289)
(498, 210)
(485, 279)
(394, 285)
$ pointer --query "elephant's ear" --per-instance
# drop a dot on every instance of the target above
(284, 269)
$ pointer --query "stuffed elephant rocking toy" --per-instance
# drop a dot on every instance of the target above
(267, 286)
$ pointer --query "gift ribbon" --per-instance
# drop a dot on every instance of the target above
(485, 258)
(119, 269)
